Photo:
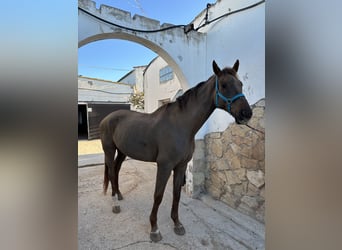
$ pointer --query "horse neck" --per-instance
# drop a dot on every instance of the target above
(199, 108)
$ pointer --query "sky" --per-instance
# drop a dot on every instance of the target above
(111, 59)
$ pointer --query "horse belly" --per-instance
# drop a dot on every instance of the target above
(136, 146)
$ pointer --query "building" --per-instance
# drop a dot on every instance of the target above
(96, 99)
(161, 84)
(135, 78)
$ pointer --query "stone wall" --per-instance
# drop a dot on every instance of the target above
(233, 167)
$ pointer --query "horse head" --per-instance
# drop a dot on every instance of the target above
(228, 93)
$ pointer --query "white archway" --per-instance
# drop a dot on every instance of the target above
(184, 52)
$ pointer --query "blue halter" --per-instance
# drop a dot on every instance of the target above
(229, 101)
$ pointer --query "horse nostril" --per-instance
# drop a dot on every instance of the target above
(246, 113)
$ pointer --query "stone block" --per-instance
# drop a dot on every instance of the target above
(234, 162)
(230, 200)
(216, 148)
(235, 148)
(262, 165)
(221, 164)
(245, 150)
(227, 136)
(257, 178)
(253, 190)
(218, 179)
(258, 151)
(258, 112)
(240, 190)
(239, 131)
(239, 140)
(214, 191)
(235, 176)
(250, 201)
(262, 123)
(249, 163)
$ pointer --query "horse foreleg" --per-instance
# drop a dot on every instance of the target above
(178, 182)
(163, 174)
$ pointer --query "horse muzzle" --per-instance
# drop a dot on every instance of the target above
(244, 116)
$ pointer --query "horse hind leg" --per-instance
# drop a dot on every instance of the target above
(117, 166)
(110, 175)
(109, 165)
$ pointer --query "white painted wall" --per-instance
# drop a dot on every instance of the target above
(238, 36)
(156, 91)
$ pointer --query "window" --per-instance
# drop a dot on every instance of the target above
(165, 74)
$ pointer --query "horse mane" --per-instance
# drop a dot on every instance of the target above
(182, 100)
(190, 93)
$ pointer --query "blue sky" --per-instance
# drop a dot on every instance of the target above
(112, 59)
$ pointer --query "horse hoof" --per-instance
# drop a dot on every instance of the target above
(155, 236)
(116, 209)
(120, 197)
(179, 230)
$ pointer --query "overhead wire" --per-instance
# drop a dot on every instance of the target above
(228, 14)
(128, 28)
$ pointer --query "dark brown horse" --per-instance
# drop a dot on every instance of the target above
(166, 136)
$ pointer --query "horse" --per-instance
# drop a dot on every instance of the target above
(166, 136)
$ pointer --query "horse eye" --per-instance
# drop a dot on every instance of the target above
(224, 86)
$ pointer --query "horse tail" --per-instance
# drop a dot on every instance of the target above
(105, 180)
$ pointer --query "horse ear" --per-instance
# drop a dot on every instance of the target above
(216, 68)
(236, 65)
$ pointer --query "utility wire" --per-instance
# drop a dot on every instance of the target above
(230, 13)
(128, 28)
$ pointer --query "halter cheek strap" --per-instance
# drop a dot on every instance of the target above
(229, 101)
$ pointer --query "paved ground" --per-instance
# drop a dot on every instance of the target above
(209, 224)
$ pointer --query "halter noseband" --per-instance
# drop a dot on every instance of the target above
(229, 101)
